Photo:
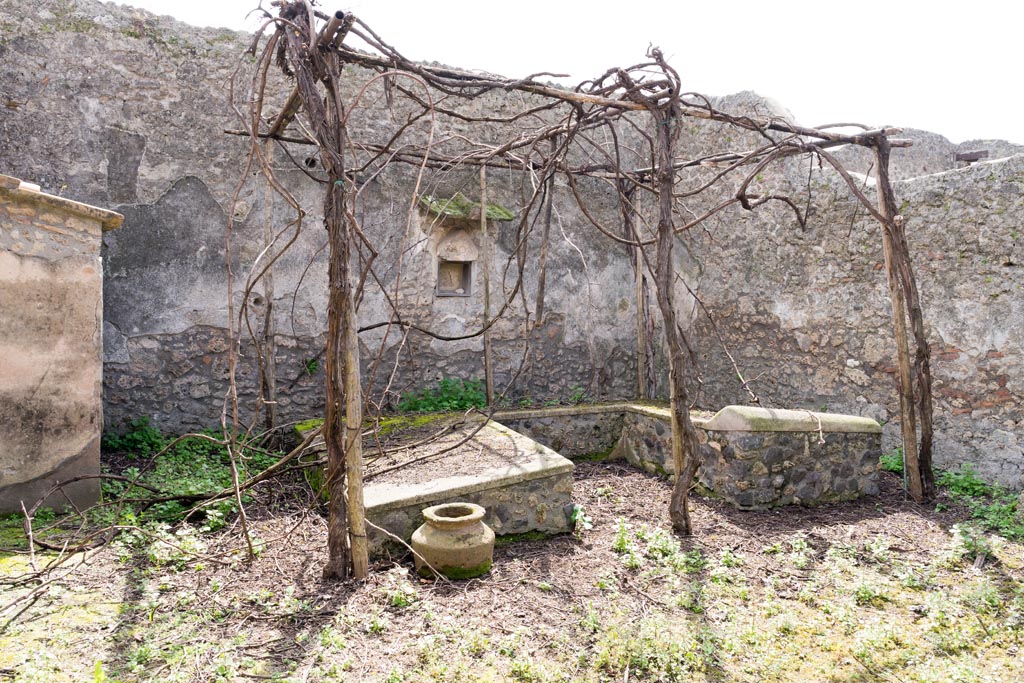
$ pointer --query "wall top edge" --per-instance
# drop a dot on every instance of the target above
(21, 191)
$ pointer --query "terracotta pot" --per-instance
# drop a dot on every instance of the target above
(454, 541)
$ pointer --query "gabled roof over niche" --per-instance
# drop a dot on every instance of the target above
(461, 207)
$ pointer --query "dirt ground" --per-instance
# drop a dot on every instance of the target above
(874, 590)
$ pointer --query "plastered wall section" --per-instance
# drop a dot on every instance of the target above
(132, 117)
(50, 345)
(806, 313)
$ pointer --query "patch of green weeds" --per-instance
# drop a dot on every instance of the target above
(690, 562)
(606, 581)
(191, 466)
(892, 462)
(691, 597)
(915, 579)
(580, 520)
(876, 549)
(376, 624)
(651, 650)
(621, 542)
(730, 559)
(870, 595)
(527, 671)
(970, 542)
(800, 552)
(12, 529)
(963, 482)
(591, 621)
(476, 642)
(993, 507)
(167, 547)
(577, 395)
(449, 395)
(632, 560)
(654, 546)
(398, 592)
(141, 439)
(983, 597)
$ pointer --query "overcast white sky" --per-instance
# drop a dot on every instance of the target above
(950, 68)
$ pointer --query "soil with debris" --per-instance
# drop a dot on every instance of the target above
(877, 589)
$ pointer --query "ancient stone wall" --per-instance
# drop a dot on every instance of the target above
(573, 431)
(127, 110)
(806, 313)
(120, 107)
(50, 320)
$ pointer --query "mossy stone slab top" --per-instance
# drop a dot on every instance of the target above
(653, 409)
(756, 419)
(459, 206)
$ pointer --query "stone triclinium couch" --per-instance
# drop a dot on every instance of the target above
(524, 486)
(754, 458)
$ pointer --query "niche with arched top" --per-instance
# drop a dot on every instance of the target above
(456, 253)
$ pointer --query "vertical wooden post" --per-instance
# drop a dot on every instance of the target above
(335, 415)
(311, 66)
(485, 265)
(343, 420)
(685, 442)
(908, 421)
(542, 261)
(354, 448)
(269, 377)
(641, 343)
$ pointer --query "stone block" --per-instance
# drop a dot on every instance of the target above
(530, 491)
(756, 419)
(759, 469)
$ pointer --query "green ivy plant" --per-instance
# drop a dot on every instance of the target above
(448, 395)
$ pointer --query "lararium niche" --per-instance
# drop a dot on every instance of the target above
(456, 253)
(456, 232)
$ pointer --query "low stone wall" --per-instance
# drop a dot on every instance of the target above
(572, 431)
(766, 469)
(534, 494)
(646, 440)
(51, 310)
(756, 458)
(751, 457)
